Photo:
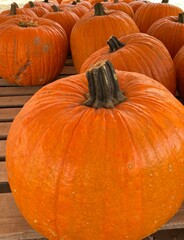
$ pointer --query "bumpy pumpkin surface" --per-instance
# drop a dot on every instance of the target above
(35, 52)
(90, 173)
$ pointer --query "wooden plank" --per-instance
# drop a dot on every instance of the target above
(4, 129)
(18, 91)
(69, 70)
(8, 114)
(12, 225)
(14, 101)
(3, 173)
(177, 221)
(2, 149)
(4, 83)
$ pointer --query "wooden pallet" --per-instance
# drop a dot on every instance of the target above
(12, 224)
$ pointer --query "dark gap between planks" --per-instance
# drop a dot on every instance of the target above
(5, 187)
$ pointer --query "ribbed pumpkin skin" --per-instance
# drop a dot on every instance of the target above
(143, 54)
(136, 4)
(80, 173)
(25, 11)
(40, 11)
(36, 55)
(169, 31)
(179, 65)
(121, 6)
(149, 13)
(92, 32)
(66, 19)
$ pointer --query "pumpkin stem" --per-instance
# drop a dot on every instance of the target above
(31, 4)
(55, 8)
(74, 3)
(46, 1)
(104, 91)
(13, 8)
(114, 44)
(28, 24)
(116, 1)
(181, 18)
(165, 1)
(99, 9)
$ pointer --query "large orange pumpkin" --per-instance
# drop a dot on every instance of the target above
(32, 50)
(137, 52)
(94, 29)
(170, 31)
(107, 167)
(149, 13)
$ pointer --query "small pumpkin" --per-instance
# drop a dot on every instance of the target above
(137, 52)
(149, 13)
(35, 52)
(92, 31)
(170, 31)
(109, 166)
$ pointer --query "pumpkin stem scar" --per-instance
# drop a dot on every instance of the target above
(104, 91)
(99, 9)
(28, 24)
(114, 44)
(22, 69)
(181, 18)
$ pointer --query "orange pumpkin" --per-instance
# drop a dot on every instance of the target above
(79, 170)
(137, 52)
(12, 13)
(92, 31)
(39, 10)
(67, 19)
(45, 3)
(78, 9)
(170, 31)
(35, 52)
(137, 4)
(149, 13)
(121, 6)
(14, 9)
(179, 65)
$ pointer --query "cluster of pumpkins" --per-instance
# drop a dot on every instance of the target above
(98, 155)
(37, 48)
